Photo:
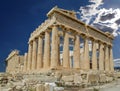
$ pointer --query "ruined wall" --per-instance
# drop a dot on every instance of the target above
(14, 62)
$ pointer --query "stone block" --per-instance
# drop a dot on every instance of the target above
(93, 79)
(77, 79)
(68, 84)
(40, 87)
(58, 75)
(117, 75)
(109, 79)
(58, 89)
(49, 87)
(84, 76)
(68, 78)
(10, 89)
(102, 78)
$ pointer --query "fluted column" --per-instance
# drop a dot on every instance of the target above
(46, 60)
(39, 53)
(29, 64)
(86, 61)
(25, 62)
(111, 60)
(54, 49)
(34, 55)
(76, 52)
(66, 63)
(94, 55)
(106, 58)
(101, 57)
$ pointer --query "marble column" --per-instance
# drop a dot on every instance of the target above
(94, 55)
(101, 57)
(39, 53)
(54, 49)
(34, 55)
(46, 60)
(66, 63)
(25, 62)
(111, 60)
(106, 58)
(86, 61)
(76, 52)
(29, 64)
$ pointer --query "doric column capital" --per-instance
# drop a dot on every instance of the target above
(86, 37)
(40, 36)
(30, 42)
(94, 40)
(100, 42)
(34, 39)
(54, 25)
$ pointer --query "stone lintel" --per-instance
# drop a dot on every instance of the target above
(42, 29)
(66, 20)
(55, 9)
(81, 33)
(101, 32)
(62, 11)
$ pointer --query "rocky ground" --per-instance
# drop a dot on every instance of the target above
(65, 80)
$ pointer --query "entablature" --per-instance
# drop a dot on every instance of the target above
(80, 27)
(42, 28)
(63, 20)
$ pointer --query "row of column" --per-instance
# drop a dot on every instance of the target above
(36, 59)
(102, 57)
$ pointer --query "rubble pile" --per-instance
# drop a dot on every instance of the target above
(55, 81)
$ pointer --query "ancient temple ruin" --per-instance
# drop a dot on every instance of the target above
(64, 42)
(14, 62)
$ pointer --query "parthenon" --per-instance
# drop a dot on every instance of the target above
(64, 42)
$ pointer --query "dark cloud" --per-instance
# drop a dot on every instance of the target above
(117, 21)
(103, 28)
(107, 17)
(86, 8)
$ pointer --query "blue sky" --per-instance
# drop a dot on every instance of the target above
(18, 18)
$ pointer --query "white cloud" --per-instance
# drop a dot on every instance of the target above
(119, 33)
(104, 18)
(90, 10)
